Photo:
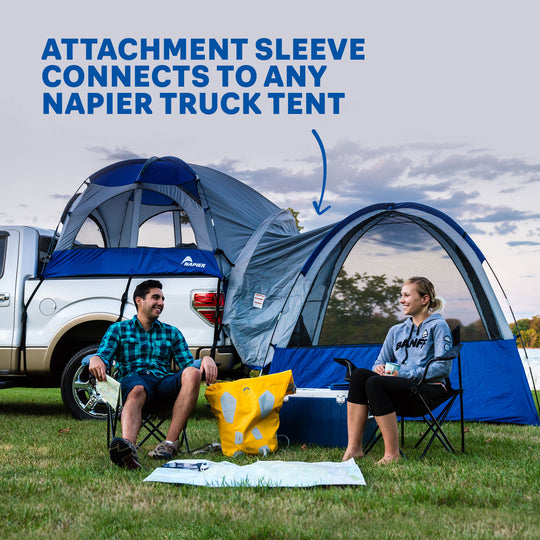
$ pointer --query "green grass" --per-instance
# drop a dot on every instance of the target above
(56, 481)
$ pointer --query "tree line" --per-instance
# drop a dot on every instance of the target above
(530, 332)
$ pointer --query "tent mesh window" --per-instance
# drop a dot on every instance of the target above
(167, 229)
(90, 235)
(160, 231)
(363, 291)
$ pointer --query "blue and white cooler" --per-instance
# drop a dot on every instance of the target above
(318, 416)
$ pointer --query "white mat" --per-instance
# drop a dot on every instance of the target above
(201, 472)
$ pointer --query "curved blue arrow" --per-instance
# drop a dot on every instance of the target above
(317, 205)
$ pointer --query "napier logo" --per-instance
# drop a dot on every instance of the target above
(188, 261)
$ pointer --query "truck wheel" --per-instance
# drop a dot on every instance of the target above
(78, 391)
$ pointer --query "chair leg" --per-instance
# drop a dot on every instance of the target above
(434, 426)
(112, 423)
(375, 437)
(462, 422)
(372, 441)
(109, 425)
(152, 424)
(441, 435)
(184, 440)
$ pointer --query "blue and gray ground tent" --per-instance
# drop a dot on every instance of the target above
(277, 308)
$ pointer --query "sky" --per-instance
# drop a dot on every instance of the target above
(443, 110)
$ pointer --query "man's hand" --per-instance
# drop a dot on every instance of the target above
(209, 368)
(98, 368)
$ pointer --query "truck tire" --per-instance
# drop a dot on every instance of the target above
(78, 391)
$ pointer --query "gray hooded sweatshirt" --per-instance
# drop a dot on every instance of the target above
(412, 347)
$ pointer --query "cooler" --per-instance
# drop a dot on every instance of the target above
(318, 416)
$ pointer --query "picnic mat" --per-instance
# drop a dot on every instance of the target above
(201, 472)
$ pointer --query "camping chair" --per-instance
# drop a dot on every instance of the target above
(154, 415)
(419, 406)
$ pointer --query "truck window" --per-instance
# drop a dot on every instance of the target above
(161, 231)
(3, 248)
(44, 245)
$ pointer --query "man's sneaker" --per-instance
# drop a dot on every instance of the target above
(124, 453)
(165, 450)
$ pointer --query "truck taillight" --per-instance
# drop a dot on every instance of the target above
(204, 304)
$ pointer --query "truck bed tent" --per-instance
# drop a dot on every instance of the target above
(279, 295)
(223, 213)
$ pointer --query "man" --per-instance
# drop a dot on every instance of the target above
(143, 348)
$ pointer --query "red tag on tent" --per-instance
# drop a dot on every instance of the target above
(258, 300)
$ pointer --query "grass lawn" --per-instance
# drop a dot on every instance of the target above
(56, 481)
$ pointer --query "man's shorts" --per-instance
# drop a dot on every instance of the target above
(162, 389)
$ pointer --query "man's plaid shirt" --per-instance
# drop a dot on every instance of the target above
(138, 351)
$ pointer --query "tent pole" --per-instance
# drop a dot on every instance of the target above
(134, 236)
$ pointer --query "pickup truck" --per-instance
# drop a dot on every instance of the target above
(48, 325)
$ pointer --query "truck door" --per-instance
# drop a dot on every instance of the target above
(9, 259)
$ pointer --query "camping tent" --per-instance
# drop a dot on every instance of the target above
(279, 281)
(278, 299)
(120, 199)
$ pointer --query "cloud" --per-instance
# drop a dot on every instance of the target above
(344, 149)
(513, 189)
(505, 228)
(483, 166)
(472, 229)
(458, 200)
(115, 154)
(515, 243)
(505, 213)
(438, 175)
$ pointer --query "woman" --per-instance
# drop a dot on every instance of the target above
(411, 344)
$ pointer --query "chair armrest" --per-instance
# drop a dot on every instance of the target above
(449, 355)
(348, 364)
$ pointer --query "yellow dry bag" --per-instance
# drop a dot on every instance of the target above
(247, 412)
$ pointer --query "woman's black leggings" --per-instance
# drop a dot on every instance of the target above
(384, 394)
